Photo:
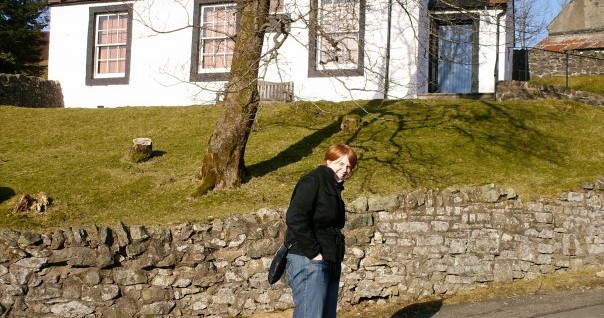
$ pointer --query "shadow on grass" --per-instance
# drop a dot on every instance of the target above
(485, 128)
(295, 152)
(157, 153)
(399, 135)
(421, 310)
(305, 146)
(511, 131)
(6, 193)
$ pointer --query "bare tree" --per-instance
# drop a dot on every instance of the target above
(529, 23)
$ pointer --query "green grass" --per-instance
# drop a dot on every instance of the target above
(76, 156)
(588, 83)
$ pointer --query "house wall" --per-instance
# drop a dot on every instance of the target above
(160, 58)
(488, 50)
(492, 52)
(292, 64)
(408, 52)
(159, 66)
(579, 15)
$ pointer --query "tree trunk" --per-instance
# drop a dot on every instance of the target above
(223, 165)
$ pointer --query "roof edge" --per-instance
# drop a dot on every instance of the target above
(585, 31)
(55, 3)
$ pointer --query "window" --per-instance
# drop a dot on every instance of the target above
(213, 40)
(336, 35)
(109, 42)
(279, 20)
(110, 47)
(217, 31)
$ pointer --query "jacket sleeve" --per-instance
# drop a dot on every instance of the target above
(299, 216)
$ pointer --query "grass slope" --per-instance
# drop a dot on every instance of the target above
(76, 156)
(588, 83)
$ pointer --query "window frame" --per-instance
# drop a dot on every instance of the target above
(209, 75)
(314, 39)
(91, 54)
(280, 6)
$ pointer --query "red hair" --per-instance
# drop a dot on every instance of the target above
(336, 151)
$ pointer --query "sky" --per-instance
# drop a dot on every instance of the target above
(549, 9)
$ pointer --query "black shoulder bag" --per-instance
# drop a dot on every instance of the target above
(278, 264)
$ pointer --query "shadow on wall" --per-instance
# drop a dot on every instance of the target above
(6, 193)
(421, 310)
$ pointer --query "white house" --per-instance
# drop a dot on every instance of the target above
(178, 52)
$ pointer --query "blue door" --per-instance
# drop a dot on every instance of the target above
(454, 71)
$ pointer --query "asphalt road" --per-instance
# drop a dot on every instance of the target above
(585, 303)
(572, 304)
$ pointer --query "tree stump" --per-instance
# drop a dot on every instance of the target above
(350, 124)
(140, 150)
(31, 203)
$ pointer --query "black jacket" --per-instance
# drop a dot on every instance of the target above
(316, 215)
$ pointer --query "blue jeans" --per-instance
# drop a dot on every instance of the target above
(314, 286)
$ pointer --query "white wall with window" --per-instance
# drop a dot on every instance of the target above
(339, 42)
(179, 52)
(328, 64)
(159, 59)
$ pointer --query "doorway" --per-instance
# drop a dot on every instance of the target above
(453, 55)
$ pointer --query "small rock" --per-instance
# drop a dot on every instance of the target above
(587, 185)
(71, 309)
(31, 203)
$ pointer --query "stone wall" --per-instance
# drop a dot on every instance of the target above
(27, 91)
(412, 244)
(519, 90)
(547, 64)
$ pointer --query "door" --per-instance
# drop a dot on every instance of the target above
(453, 61)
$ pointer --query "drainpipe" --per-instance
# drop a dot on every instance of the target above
(387, 66)
(499, 15)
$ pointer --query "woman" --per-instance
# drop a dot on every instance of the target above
(314, 219)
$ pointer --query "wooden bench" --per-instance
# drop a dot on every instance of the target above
(269, 91)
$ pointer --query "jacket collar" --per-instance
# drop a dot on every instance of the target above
(330, 179)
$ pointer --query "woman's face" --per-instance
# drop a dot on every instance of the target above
(341, 167)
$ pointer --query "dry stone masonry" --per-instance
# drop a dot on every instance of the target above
(29, 91)
(548, 63)
(412, 244)
(519, 90)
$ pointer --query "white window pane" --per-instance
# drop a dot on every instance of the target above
(218, 24)
(338, 39)
(111, 39)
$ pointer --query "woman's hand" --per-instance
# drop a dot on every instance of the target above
(318, 257)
